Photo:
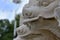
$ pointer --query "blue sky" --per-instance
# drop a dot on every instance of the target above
(7, 8)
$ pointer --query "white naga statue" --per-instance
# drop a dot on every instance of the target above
(40, 20)
(46, 12)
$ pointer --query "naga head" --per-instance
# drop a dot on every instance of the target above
(23, 30)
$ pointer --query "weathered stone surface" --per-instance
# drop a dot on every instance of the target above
(49, 24)
(40, 21)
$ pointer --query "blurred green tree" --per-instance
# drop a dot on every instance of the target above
(6, 29)
(17, 18)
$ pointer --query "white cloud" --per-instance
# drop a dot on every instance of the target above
(10, 15)
(6, 15)
(20, 7)
(11, 0)
(3, 15)
(7, 0)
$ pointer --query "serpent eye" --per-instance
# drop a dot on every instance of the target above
(28, 14)
(19, 31)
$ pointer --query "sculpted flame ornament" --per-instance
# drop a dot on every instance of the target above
(40, 21)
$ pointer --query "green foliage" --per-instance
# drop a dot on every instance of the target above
(17, 1)
(17, 18)
(7, 34)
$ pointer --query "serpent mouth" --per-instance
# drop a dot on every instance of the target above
(36, 18)
(30, 20)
